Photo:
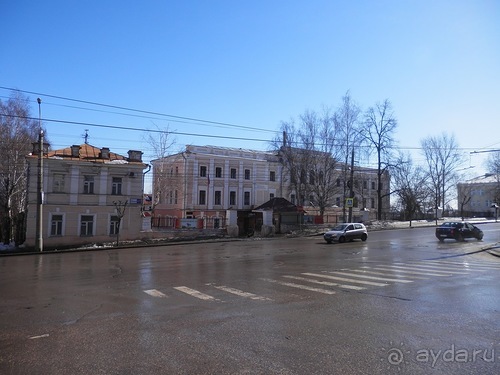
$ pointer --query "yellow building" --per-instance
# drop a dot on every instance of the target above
(84, 189)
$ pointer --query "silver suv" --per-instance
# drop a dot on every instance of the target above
(346, 232)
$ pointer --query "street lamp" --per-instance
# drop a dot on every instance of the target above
(495, 206)
(39, 188)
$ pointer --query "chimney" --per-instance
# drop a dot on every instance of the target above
(134, 155)
(75, 151)
(105, 153)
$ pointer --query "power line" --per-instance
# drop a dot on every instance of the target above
(136, 110)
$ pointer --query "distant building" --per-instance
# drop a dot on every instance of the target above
(82, 186)
(206, 181)
(476, 196)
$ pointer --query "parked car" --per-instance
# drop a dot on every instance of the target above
(458, 231)
(346, 232)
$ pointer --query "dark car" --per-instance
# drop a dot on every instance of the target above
(458, 231)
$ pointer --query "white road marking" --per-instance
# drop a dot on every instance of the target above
(429, 267)
(240, 293)
(391, 273)
(344, 279)
(423, 269)
(155, 293)
(414, 271)
(327, 283)
(39, 337)
(370, 277)
(298, 286)
(405, 271)
(466, 265)
(195, 293)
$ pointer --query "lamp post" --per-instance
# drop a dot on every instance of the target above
(39, 187)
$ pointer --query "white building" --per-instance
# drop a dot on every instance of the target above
(476, 196)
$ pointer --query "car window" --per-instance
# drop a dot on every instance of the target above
(350, 227)
(358, 226)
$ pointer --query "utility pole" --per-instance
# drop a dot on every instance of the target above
(39, 187)
(351, 180)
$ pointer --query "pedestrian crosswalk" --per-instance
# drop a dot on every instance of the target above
(329, 282)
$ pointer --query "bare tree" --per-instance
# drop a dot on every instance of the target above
(410, 186)
(443, 159)
(378, 128)
(308, 156)
(348, 128)
(493, 165)
(17, 133)
(120, 208)
(161, 142)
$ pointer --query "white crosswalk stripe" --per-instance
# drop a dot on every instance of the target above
(344, 279)
(426, 267)
(299, 286)
(371, 277)
(195, 293)
(405, 271)
(155, 293)
(392, 274)
(239, 292)
(418, 271)
(327, 283)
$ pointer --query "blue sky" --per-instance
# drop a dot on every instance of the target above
(255, 64)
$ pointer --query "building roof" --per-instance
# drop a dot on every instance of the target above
(86, 152)
(487, 178)
(279, 205)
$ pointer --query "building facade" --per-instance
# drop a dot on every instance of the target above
(476, 196)
(89, 195)
(206, 181)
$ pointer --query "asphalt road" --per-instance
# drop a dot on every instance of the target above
(399, 303)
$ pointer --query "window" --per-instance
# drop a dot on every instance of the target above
(292, 198)
(373, 202)
(175, 197)
(337, 201)
(364, 202)
(171, 197)
(271, 195)
(232, 198)
(87, 225)
(58, 185)
(373, 185)
(247, 174)
(114, 225)
(246, 198)
(311, 178)
(88, 184)
(218, 172)
(116, 186)
(203, 171)
(272, 176)
(338, 182)
(56, 224)
(176, 171)
(365, 184)
(202, 199)
(233, 173)
(218, 197)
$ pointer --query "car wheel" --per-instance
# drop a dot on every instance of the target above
(342, 239)
(328, 241)
(364, 237)
(441, 239)
(479, 238)
(459, 238)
